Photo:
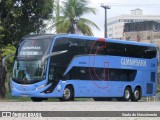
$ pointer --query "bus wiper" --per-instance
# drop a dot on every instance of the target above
(44, 58)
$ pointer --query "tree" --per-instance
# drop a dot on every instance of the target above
(21, 17)
(1, 29)
(18, 18)
(71, 19)
(10, 49)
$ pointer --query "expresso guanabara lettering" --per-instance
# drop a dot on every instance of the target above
(133, 62)
(31, 48)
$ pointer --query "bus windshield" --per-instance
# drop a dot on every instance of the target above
(27, 67)
(28, 71)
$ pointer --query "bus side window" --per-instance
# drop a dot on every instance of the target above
(113, 75)
(132, 75)
(123, 76)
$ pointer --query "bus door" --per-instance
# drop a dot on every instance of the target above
(53, 77)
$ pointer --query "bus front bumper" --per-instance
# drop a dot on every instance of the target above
(35, 90)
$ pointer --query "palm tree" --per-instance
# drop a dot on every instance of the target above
(71, 20)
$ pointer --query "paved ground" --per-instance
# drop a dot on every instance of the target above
(82, 106)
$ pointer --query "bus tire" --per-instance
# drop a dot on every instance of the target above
(127, 94)
(136, 95)
(67, 94)
(36, 99)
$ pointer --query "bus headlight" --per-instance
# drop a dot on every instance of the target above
(59, 88)
(13, 87)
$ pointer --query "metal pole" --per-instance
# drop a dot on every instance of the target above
(105, 22)
(105, 34)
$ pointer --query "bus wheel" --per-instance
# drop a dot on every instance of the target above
(127, 94)
(136, 95)
(67, 94)
(36, 99)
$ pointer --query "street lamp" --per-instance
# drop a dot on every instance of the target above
(105, 25)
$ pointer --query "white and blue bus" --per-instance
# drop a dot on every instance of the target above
(67, 66)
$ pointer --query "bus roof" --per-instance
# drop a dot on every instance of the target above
(38, 36)
(108, 39)
(42, 36)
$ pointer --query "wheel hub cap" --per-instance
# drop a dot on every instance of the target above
(127, 94)
(136, 94)
(67, 93)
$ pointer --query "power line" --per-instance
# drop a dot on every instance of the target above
(125, 4)
(129, 5)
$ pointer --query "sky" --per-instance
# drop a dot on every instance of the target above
(120, 7)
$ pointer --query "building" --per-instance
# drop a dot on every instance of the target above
(146, 31)
(116, 24)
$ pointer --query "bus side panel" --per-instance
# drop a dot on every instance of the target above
(153, 79)
(104, 88)
(80, 87)
(116, 89)
(138, 81)
(149, 79)
(92, 89)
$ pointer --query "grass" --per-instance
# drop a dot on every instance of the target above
(10, 98)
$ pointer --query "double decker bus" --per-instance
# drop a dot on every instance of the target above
(67, 66)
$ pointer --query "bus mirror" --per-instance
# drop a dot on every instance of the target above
(44, 58)
(5, 59)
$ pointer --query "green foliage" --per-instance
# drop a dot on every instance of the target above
(72, 11)
(7, 50)
(1, 35)
(21, 17)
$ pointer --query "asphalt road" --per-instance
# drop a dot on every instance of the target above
(82, 106)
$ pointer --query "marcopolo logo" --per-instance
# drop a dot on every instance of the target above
(133, 62)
